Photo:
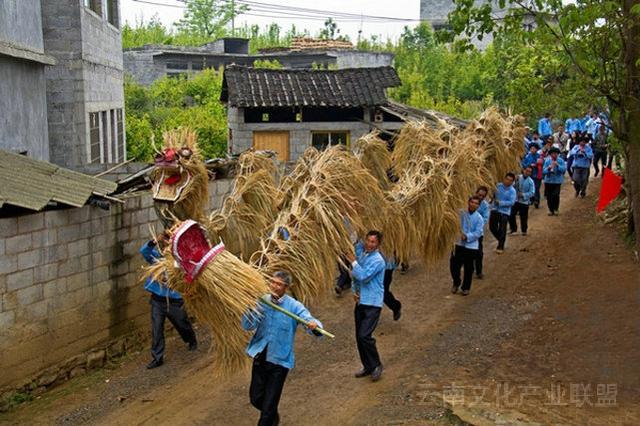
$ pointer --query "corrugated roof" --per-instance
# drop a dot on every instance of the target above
(32, 184)
(251, 87)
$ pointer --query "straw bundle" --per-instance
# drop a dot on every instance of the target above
(330, 193)
(195, 196)
(225, 290)
(247, 213)
(375, 157)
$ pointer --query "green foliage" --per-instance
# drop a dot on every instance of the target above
(267, 64)
(175, 102)
(207, 18)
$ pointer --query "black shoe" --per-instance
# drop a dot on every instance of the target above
(397, 314)
(376, 374)
(465, 292)
(193, 346)
(362, 373)
(479, 276)
(454, 289)
(155, 364)
(536, 205)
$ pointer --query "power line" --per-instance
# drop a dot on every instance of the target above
(303, 12)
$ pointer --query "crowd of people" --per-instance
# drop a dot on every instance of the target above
(574, 148)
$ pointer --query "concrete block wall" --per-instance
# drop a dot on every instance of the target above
(299, 133)
(70, 288)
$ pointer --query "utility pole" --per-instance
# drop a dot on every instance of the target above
(233, 18)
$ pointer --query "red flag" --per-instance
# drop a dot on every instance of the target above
(611, 186)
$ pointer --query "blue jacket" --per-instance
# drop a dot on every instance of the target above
(152, 255)
(544, 127)
(556, 175)
(473, 227)
(368, 276)
(581, 159)
(504, 198)
(583, 122)
(276, 330)
(525, 189)
(484, 210)
(571, 125)
(531, 160)
(592, 126)
(537, 143)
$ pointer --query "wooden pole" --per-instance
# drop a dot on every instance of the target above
(295, 317)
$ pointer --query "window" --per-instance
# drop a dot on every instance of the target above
(94, 137)
(321, 140)
(122, 153)
(111, 12)
(95, 5)
(106, 136)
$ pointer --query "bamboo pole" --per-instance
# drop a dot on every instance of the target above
(295, 317)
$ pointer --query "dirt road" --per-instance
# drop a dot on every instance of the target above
(551, 335)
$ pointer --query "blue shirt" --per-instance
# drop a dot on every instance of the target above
(505, 197)
(556, 175)
(592, 126)
(531, 160)
(473, 227)
(525, 189)
(484, 210)
(276, 331)
(368, 276)
(152, 255)
(544, 127)
(572, 125)
(581, 159)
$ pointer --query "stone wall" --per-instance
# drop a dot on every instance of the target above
(70, 294)
(87, 78)
(299, 133)
(23, 103)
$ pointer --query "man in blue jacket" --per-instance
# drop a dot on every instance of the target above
(485, 211)
(544, 126)
(165, 303)
(553, 171)
(466, 248)
(582, 156)
(367, 270)
(531, 160)
(504, 198)
(271, 347)
(525, 188)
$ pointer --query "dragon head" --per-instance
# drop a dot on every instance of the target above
(180, 179)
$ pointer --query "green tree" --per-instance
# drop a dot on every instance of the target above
(208, 18)
(598, 41)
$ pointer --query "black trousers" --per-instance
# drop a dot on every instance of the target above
(552, 193)
(599, 157)
(267, 381)
(389, 299)
(367, 318)
(523, 211)
(344, 279)
(498, 227)
(581, 179)
(479, 257)
(462, 257)
(173, 310)
(537, 183)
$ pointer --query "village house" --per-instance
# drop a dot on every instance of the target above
(149, 63)
(61, 91)
(287, 111)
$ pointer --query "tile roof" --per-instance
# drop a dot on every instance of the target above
(251, 87)
(32, 184)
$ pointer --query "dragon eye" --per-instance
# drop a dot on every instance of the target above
(185, 153)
